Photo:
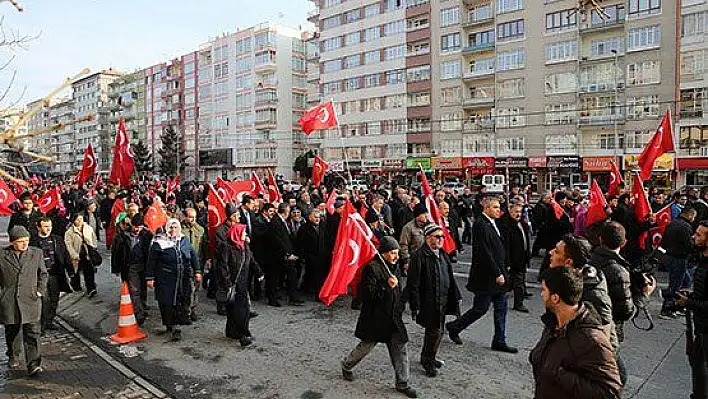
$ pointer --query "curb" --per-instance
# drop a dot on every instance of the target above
(120, 367)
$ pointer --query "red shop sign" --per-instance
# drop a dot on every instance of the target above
(479, 165)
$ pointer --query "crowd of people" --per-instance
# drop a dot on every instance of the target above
(593, 277)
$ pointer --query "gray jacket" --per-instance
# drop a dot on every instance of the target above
(21, 282)
(412, 239)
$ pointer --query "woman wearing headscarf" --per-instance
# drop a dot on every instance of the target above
(171, 263)
(237, 264)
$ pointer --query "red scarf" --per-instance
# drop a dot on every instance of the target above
(235, 234)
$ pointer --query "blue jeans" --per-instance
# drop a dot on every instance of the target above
(479, 309)
(679, 278)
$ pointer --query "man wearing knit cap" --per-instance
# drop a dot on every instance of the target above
(412, 237)
(432, 294)
(22, 285)
(381, 317)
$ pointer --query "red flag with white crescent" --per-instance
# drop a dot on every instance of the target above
(258, 184)
(353, 250)
(615, 180)
(223, 190)
(641, 206)
(330, 201)
(88, 168)
(123, 163)
(155, 217)
(319, 168)
(172, 185)
(239, 188)
(434, 213)
(598, 203)
(661, 142)
(216, 216)
(320, 117)
(7, 198)
(50, 200)
(663, 217)
(118, 207)
(273, 190)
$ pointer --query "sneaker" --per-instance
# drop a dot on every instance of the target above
(92, 294)
(680, 313)
(504, 348)
(667, 315)
(408, 391)
(35, 370)
(438, 363)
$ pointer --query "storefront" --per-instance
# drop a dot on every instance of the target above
(516, 170)
(476, 167)
(662, 174)
(599, 168)
(415, 163)
(563, 171)
(693, 171)
(537, 166)
(395, 171)
(447, 168)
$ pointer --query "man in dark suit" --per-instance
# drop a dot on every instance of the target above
(221, 242)
(311, 247)
(282, 259)
(246, 213)
(517, 241)
(487, 278)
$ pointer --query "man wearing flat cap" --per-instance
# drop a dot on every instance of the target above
(381, 317)
(23, 277)
(432, 294)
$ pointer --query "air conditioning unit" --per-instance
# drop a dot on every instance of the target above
(704, 151)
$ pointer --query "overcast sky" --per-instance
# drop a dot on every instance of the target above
(124, 34)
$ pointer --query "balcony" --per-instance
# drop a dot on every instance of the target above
(478, 48)
(313, 15)
(312, 55)
(479, 124)
(314, 98)
(480, 97)
(476, 18)
(268, 66)
(597, 24)
(594, 120)
(478, 74)
(600, 87)
(266, 124)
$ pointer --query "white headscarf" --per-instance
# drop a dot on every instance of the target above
(164, 240)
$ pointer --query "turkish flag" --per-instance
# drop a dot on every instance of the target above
(155, 217)
(663, 217)
(98, 181)
(172, 185)
(89, 166)
(662, 142)
(224, 190)
(598, 204)
(642, 209)
(320, 117)
(17, 188)
(240, 188)
(118, 207)
(216, 216)
(330, 201)
(319, 168)
(7, 198)
(557, 209)
(435, 215)
(273, 190)
(258, 184)
(615, 180)
(50, 200)
(123, 163)
(353, 250)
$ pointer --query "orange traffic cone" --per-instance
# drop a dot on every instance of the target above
(128, 330)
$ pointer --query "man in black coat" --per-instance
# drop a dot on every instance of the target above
(487, 278)
(59, 267)
(432, 294)
(678, 245)
(517, 243)
(282, 259)
(26, 216)
(555, 227)
(221, 241)
(246, 213)
(381, 316)
(310, 245)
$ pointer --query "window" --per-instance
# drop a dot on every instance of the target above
(511, 144)
(510, 117)
(243, 64)
(353, 15)
(372, 80)
(331, 44)
(606, 141)
(482, 66)
(395, 77)
(372, 57)
(560, 144)
(599, 109)
(450, 69)
(418, 125)
(692, 101)
(562, 51)
(331, 87)
(371, 104)
(372, 34)
(510, 60)
(481, 39)
(419, 99)
(413, 3)
(450, 147)
(352, 38)
(637, 139)
(560, 114)
(642, 73)
(332, 22)
(613, 14)
(332, 66)
(372, 10)
(450, 16)
(566, 82)
(600, 77)
(352, 61)
(509, 5)
(418, 74)
(418, 48)
(417, 23)
(450, 95)
(450, 42)
(392, 5)
(373, 128)
(510, 30)
(394, 28)
(451, 121)
(644, 7)
(477, 143)
(643, 107)
(692, 64)
(298, 64)
(395, 52)
(694, 24)
(480, 13)
(511, 88)
(561, 20)
(644, 38)
(604, 47)
(352, 84)
(395, 101)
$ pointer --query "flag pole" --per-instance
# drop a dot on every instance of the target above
(341, 140)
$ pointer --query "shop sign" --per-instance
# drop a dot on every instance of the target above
(417, 162)
(453, 163)
(511, 163)
(537, 162)
(479, 165)
(371, 164)
(692, 163)
(393, 163)
(664, 162)
(563, 162)
(336, 166)
(598, 164)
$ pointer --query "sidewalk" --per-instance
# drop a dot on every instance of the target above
(72, 370)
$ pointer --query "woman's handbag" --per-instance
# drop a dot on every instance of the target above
(92, 253)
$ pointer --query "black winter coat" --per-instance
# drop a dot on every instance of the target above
(677, 238)
(421, 288)
(382, 306)
(517, 259)
(280, 243)
(616, 271)
(124, 256)
(29, 222)
(62, 266)
(698, 300)
(488, 259)
(311, 246)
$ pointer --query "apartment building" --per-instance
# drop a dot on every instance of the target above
(539, 91)
(62, 145)
(692, 163)
(127, 100)
(252, 89)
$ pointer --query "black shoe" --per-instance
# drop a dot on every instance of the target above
(193, 317)
(348, 375)
(504, 348)
(245, 341)
(13, 363)
(521, 308)
(528, 295)
(454, 337)
(33, 371)
(274, 303)
(431, 371)
(296, 302)
(92, 294)
(252, 314)
(438, 363)
(408, 391)
(176, 335)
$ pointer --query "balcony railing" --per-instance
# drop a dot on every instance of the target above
(601, 87)
(476, 48)
(479, 125)
(478, 17)
(478, 73)
(600, 119)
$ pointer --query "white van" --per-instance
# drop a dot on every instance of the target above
(494, 183)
